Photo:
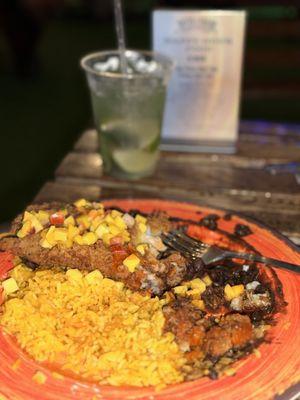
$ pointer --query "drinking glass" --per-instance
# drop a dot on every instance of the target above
(128, 108)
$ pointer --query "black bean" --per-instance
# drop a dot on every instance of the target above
(210, 221)
(257, 316)
(164, 254)
(196, 269)
(213, 374)
(242, 230)
(260, 289)
(133, 212)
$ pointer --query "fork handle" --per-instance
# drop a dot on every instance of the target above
(261, 259)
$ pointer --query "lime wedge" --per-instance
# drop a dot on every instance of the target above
(134, 161)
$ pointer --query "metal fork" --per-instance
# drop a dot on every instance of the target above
(194, 249)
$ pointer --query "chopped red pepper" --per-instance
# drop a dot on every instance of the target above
(116, 240)
(119, 253)
(6, 263)
(57, 219)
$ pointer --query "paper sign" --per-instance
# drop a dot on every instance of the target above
(204, 93)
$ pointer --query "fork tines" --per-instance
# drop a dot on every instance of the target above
(179, 241)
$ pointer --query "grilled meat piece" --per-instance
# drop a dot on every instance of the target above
(199, 336)
(154, 276)
(186, 322)
(233, 331)
(213, 298)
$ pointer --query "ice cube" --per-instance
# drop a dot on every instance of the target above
(152, 66)
(141, 66)
(99, 66)
(146, 67)
(132, 56)
(112, 64)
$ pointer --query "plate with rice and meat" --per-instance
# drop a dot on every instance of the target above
(94, 305)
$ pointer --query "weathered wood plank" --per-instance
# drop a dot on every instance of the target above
(265, 137)
(56, 191)
(189, 171)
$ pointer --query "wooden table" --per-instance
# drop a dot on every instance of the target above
(253, 181)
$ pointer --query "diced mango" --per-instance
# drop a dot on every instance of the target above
(101, 230)
(140, 219)
(58, 376)
(114, 230)
(198, 284)
(206, 279)
(126, 236)
(168, 297)
(231, 292)
(69, 221)
(199, 304)
(74, 275)
(78, 239)
(15, 366)
(230, 371)
(81, 203)
(27, 216)
(142, 227)
(50, 235)
(93, 214)
(106, 238)
(45, 244)
(21, 273)
(25, 230)
(89, 238)
(119, 285)
(95, 223)
(108, 282)
(68, 243)
(43, 217)
(194, 293)
(115, 213)
(72, 231)
(83, 221)
(39, 378)
(10, 286)
(60, 234)
(109, 219)
(120, 223)
(97, 205)
(93, 277)
(132, 262)
(181, 290)
(35, 223)
(141, 248)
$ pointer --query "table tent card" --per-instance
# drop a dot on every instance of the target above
(203, 100)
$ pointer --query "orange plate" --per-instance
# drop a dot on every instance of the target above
(276, 372)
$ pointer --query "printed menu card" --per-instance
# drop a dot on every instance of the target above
(203, 101)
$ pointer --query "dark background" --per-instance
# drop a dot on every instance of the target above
(44, 102)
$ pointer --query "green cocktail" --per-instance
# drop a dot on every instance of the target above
(128, 109)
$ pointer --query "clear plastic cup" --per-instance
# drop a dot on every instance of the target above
(128, 108)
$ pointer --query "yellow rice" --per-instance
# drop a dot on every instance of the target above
(93, 327)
